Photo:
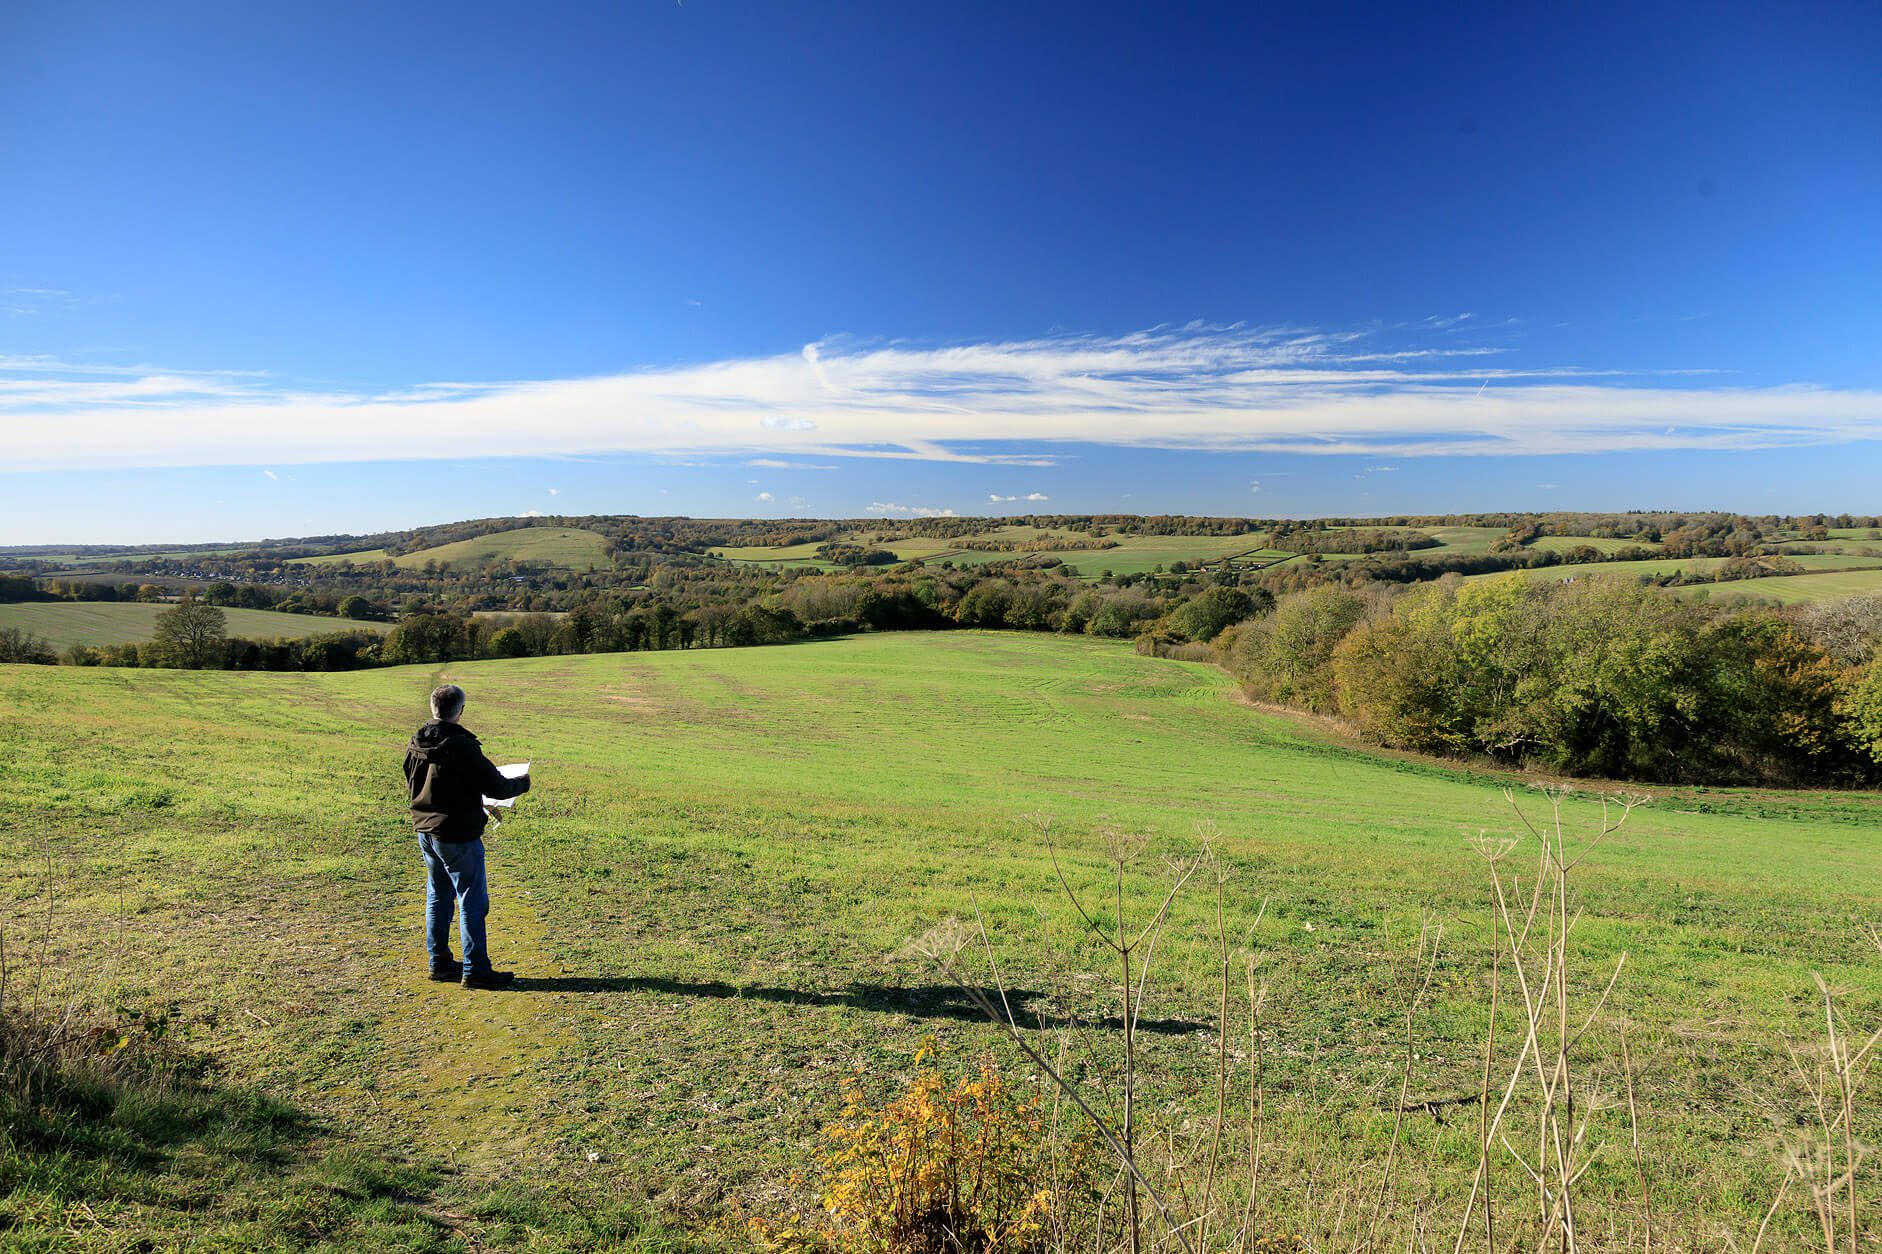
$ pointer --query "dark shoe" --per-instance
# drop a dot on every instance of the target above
(449, 974)
(489, 979)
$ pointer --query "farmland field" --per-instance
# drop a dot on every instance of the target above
(711, 891)
(1562, 544)
(1130, 555)
(1796, 589)
(570, 548)
(361, 557)
(1646, 566)
(65, 623)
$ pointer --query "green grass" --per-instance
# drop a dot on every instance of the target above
(778, 557)
(66, 623)
(1646, 566)
(1795, 589)
(1461, 540)
(1832, 575)
(361, 557)
(143, 555)
(715, 879)
(1130, 555)
(568, 547)
(1562, 544)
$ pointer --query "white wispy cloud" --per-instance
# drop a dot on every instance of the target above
(272, 475)
(1037, 496)
(995, 496)
(1005, 403)
(892, 510)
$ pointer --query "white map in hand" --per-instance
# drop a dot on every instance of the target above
(513, 771)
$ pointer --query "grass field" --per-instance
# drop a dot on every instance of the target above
(1461, 540)
(1562, 544)
(1795, 589)
(1130, 555)
(361, 557)
(711, 890)
(66, 623)
(1832, 575)
(144, 555)
(568, 547)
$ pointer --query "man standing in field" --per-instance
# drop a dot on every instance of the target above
(449, 777)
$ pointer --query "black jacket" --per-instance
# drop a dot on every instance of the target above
(449, 777)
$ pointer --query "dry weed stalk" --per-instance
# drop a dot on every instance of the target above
(1539, 964)
(1829, 1163)
(1537, 1108)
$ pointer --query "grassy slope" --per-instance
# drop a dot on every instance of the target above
(126, 622)
(361, 557)
(1791, 589)
(1562, 544)
(568, 547)
(727, 852)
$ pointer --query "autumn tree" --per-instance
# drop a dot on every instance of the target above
(191, 634)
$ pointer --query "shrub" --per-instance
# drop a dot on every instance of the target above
(950, 1166)
(20, 646)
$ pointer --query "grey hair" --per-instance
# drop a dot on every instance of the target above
(447, 702)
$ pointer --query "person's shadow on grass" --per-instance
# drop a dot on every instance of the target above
(924, 1001)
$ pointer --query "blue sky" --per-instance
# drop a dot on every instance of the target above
(295, 269)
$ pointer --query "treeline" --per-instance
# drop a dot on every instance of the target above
(1598, 677)
(1316, 537)
(680, 615)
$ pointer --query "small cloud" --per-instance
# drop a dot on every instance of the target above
(693, 303)
(555, 492)
(530, 513)
(1037, 496)
(995, 496)
(1254, 485)
(764, 496)
(272, 475)
(891, 509)
(751, 483)
(773, 463)
(788, 424)
(1548, 487)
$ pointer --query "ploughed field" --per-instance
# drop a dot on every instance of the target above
(711, 892)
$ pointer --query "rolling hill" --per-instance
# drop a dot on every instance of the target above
(712, 889)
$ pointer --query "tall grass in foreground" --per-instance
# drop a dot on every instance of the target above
(1556, 1097)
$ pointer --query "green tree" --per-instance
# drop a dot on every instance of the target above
(509, 642)
(426, 638)
(1204, 616)
(191, 634)
(1287, 655)
(20, 646)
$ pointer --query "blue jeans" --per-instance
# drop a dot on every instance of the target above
(455, 877)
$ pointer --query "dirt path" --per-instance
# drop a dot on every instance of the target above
(468, 1068)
